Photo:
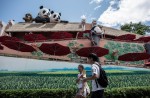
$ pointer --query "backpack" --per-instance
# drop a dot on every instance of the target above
(102, 80)
(93, 32)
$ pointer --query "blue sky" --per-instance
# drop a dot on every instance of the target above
(107, 12)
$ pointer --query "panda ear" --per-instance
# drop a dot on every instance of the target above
(49, 9)
(60, 14)
(52, 12)
(41, 7)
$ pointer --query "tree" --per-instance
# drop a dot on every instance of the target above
(137, 28)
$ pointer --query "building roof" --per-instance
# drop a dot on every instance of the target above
(116, 32)
(47, 27)
(55, 27)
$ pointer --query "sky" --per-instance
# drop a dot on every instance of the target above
(111, 13)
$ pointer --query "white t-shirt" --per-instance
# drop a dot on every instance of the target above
(80, 83)
(95, 70)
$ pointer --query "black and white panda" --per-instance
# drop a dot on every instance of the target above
(56, 18)
(43, 15)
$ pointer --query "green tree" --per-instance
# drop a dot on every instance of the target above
(137, 28)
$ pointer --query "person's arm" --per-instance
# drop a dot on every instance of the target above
(78, 79)
(94, 76)
(90, 78)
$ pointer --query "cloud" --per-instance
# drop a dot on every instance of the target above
(97, 7)
(125, 11)
(95, 1)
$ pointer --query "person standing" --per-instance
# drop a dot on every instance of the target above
(96, 31)
(83, 88)
(97, 90)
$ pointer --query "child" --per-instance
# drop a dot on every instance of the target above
(83, 88)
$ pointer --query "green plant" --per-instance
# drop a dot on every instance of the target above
(122, 48)
(130, 92)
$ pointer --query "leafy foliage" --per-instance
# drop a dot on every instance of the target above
(137, 28)
(123, 84)
(130, 92)
(66, 80)
(122, 48)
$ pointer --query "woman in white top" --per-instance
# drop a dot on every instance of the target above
(83, 88)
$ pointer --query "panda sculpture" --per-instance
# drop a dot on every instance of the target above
(56, 18)
(28, 18)
(43, 15)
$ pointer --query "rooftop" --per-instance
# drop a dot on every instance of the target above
(55, 27)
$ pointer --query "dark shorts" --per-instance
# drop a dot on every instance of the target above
(98, 94)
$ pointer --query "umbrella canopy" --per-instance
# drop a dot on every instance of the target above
(54, 49)
(1, 47)
(5, 38)
(134, 57)
(147, 64)
(18, 46)
(144, 39)
(126, 37)
(61, 35)
(88, 50)
(81, 34)
(34, 37)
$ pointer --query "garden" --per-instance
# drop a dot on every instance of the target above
(61, 84)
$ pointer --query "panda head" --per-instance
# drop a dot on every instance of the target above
(55, 17)
(44, 12)
(28, 15)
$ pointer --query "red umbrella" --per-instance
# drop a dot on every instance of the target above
(5, 38)
(88, 50)
(18, 46)
(1, 47)
(134, 57)
(54, 49)
(81, 34)
(147, 64)
(34, 37)
(143, 39)
(61, 35)
(126, 37)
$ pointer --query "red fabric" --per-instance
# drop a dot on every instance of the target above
(61, 35)
(34, 37)
(82, 33)
(147, 64)
(18, 46)
(54, 49)
(88, 50)
(6, 38)
(143, 39)
(1, 47)
(126, 37)
(134, 57)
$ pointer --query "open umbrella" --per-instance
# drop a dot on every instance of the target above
(5, 38)
(1, 47)
(88, 50)
(143, 39)
(126, 37)
(134, 57)
(61, 35)
(34, 37)
(81, 34)
(18, 46)
(54, 49)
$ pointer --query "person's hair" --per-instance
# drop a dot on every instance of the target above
(94, 57)
(84, 72)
